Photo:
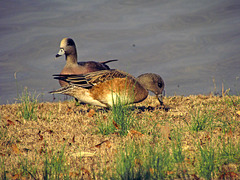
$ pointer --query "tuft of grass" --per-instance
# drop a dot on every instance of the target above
(178, 155)
(206, 167)
(200, 120)
(126, 162)
(105, 126)
(122, 117)
(230, 152)
(122, 114)
(55, 166)
(27, 170)
(28, 106)
(6, 140)
(160, 163)
(226, 124)
(137, 162)
(177, 147)
(3, 172)
(120, 121)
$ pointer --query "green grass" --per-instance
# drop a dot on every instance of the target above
(120, 121)
(177, 147)
(27, 170)
(135, 161)
(151, 160)
(155, 162)
(55, 166)
(3, 172)
(105, 126)
(122, 111)
(28, 108)
(122, 116)
(206, 168)
(126, 162)
(201, 119)
(230, 152)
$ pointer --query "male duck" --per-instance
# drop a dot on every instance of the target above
(68, 47)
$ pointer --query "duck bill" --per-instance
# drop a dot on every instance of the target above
(160, 98)
(60, 53)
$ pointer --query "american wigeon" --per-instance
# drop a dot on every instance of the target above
(104, 88)
(68, 47)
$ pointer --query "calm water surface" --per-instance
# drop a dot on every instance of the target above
(189, 43)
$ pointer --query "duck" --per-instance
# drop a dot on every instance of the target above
(106, 88)
(68, 48)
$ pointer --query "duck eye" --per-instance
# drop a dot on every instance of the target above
(160, 85)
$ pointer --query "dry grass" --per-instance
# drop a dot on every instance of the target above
(189, 128)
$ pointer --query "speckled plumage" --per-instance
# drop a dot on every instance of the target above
(103, 88)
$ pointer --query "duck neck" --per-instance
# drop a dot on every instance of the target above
(142, 88)
(142, 83)
(71, 58)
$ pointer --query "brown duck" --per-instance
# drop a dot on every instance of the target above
(105, 88)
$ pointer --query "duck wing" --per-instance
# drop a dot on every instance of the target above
(90, 79)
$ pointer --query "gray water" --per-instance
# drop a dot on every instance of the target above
(189, 43)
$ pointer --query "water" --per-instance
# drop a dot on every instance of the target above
(189, 43)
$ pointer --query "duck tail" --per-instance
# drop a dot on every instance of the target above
(60, 91)
(108, 61)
